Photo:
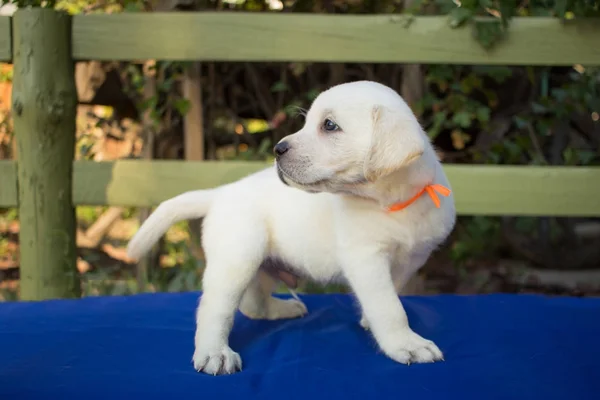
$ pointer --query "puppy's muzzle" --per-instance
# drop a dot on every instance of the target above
(281, 177)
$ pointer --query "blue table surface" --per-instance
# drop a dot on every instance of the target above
(496, 347)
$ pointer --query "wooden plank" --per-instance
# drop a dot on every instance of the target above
(488, 190)
(5, 39)
(8, 184)
(44, 109)
(147, 183)
(525, 190)
(237, 36)
(478, 189)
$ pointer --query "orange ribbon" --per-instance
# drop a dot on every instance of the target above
(431, 191)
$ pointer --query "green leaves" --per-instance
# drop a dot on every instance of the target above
(459, 16)
(483, 114)
(560, 6)
(460, 101)
(497, 73)
(312, 94)
(573, 156)
(133, 6)
(182, 106)
(462, 119)
(488, 33)
(279, 86)
(439, 119)
(507, 9)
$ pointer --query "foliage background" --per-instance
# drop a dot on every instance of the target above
(528, 115)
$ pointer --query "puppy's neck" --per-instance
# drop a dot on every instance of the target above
(402, 185)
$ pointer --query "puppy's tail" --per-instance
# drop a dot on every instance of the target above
(188, 205)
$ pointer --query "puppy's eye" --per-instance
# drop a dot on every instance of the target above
(330, 126)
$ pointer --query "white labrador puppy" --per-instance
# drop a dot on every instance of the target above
(352, 198)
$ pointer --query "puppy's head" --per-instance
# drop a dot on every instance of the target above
(354, 134)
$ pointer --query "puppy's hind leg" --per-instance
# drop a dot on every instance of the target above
(233, 257)
(257, 302)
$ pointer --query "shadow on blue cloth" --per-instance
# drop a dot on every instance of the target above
(140, 347)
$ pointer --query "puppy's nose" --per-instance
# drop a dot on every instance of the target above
(281, 148)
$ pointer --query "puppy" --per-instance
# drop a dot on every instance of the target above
(353, 197)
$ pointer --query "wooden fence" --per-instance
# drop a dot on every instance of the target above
(46, 184)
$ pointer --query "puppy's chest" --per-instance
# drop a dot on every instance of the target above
(411, 246)
(416, 232)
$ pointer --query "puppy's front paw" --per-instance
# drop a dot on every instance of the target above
(408, 348)
(284, 309)
(217, 362)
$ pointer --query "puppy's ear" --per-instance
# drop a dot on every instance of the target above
(396, 142)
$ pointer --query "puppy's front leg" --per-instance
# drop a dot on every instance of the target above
(371, 280)
(399, 279)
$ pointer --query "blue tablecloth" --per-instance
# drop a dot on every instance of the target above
(140, 347)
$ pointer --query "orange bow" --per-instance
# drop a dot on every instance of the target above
(431, 191)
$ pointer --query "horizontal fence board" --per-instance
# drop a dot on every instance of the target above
(9, 192)
(478, 189)
(5, 39)
(525, 190)
(234, 36)
(147, 183)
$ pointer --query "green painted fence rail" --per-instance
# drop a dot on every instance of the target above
(46, 184)
(341, 38)
(219, 36)
(479, 189)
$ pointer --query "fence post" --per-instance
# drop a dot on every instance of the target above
(44, 104)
